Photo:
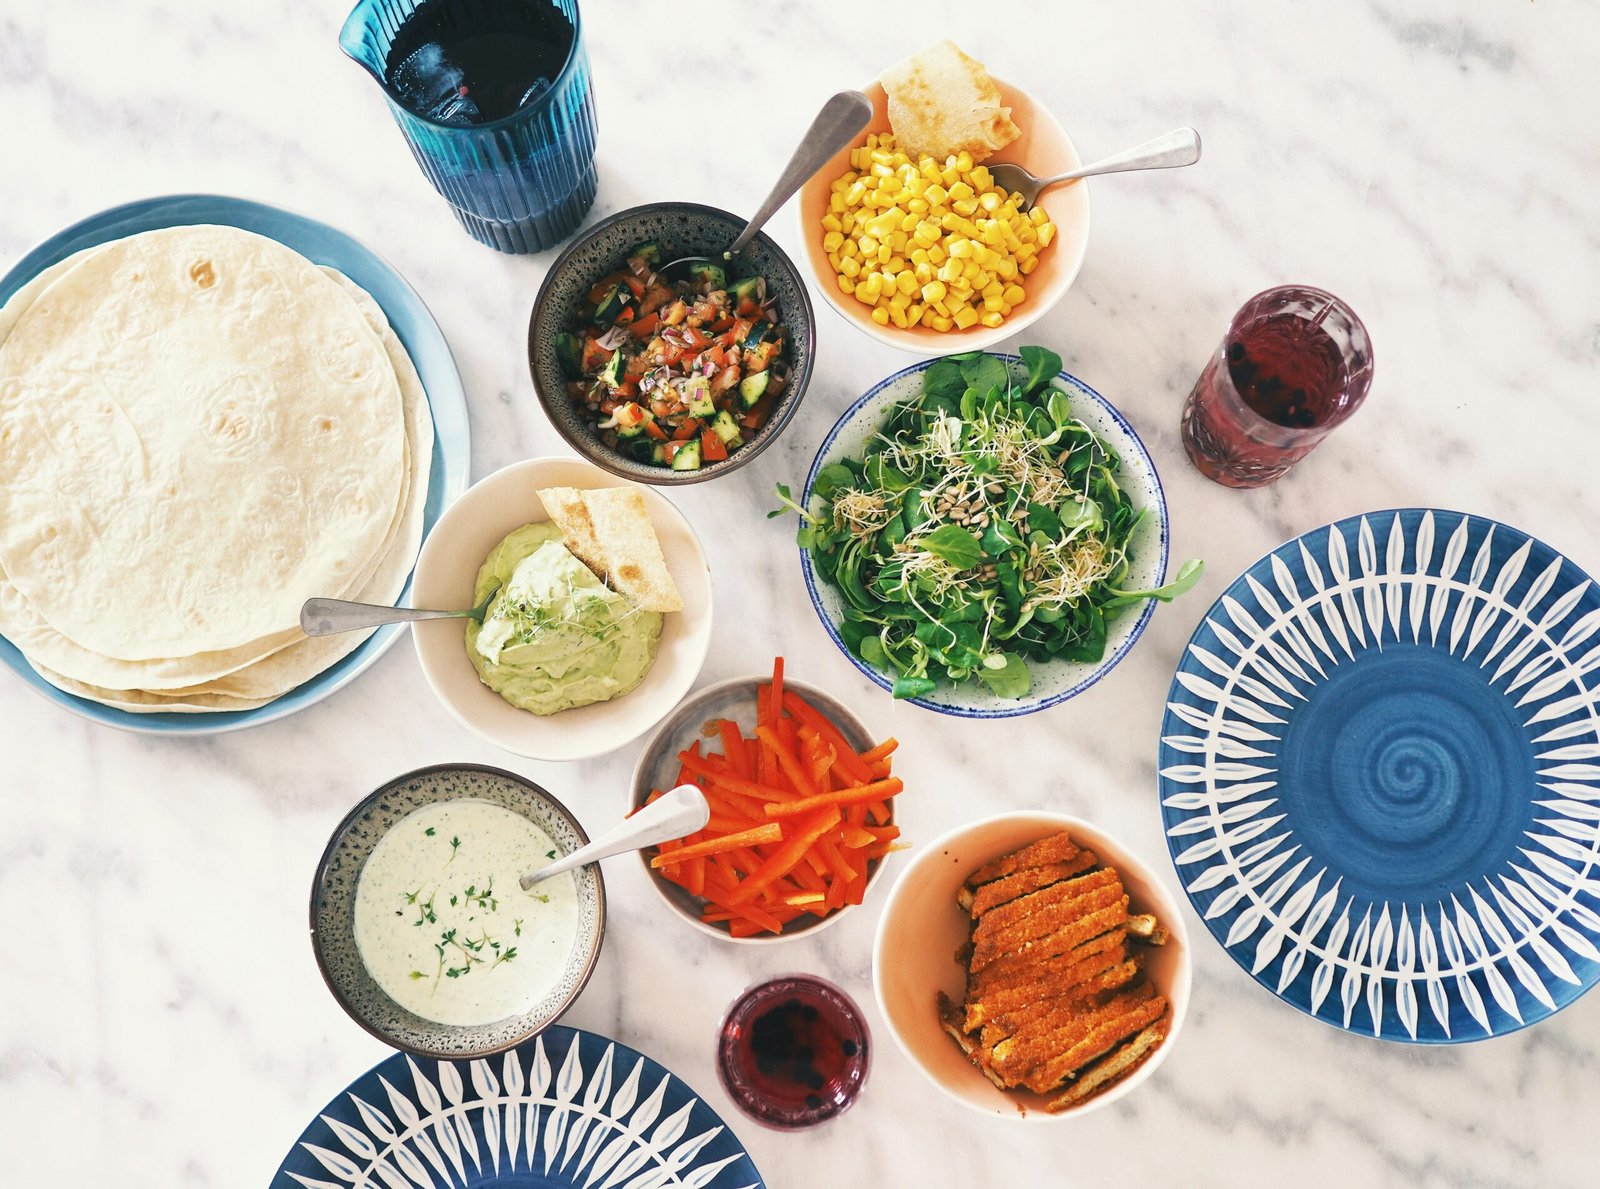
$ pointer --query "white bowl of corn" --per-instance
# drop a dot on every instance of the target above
(931, 257)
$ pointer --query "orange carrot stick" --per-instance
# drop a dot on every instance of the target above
(858, 794)
(817, 721)
(787, 857)
(880, 752)
(716, 846)
(788, 762)
(733, 747)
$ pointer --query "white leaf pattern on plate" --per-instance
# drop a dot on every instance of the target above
(1509, 946)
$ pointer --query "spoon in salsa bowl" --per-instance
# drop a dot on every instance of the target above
(836, 127)
(672, 815)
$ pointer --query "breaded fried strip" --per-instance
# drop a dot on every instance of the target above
(950, 1020)
(1111, 1069)
(1045, 980)
(1001, 891)
(1054, 849)
(1147, 929)
(1034, 904)
(1057, 947)
(1099, 1040)
(1077, 921)
(1060, 1008)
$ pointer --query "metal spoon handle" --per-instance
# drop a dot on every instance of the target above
(328, 617)
(682, 811)
(836, 127)
(1181, 146)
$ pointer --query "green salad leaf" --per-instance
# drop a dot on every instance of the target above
(981, 531)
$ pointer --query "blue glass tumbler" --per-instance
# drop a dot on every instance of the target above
(520, 184)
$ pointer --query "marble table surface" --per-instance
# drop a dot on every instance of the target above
(161, 1020)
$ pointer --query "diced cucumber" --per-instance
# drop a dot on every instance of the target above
(649, 252)
(641, 448)
(743, 288)
(726, 428)
(569, 353)
(611, 374)
(612, 304)
(659, 453)
(687, 456)
(697, 394)
(753, 387)
(758, 331)
(708, 274)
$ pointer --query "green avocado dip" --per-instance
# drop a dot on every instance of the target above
(555, 636)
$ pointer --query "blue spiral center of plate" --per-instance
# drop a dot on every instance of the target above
(1407, 774)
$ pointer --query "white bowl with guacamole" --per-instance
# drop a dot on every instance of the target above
(562, 667)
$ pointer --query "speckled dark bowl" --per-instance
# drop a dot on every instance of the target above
(333, 897)
(682, 229)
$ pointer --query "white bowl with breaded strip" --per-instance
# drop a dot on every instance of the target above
(1107, 971)
(448, 575)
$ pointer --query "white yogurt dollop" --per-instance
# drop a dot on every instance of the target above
(443, 925)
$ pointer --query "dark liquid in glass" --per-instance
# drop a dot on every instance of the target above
(793, 1052)
(473, 61)
(1288, 370)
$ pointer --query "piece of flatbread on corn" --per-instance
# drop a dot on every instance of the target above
(942, 102)
(609, 531)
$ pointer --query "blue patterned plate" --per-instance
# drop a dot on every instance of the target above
(423, 340)
(1380, 775)
(567, 1108)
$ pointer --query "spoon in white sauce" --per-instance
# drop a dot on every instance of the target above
(673, 815)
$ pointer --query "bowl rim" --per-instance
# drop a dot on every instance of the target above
(1106, 664)
(319, 879)
(783, 413)
(639, 784)
(1172, 918)
(975, 338)
(702, 650)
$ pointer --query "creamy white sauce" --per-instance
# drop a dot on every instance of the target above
(443, 925)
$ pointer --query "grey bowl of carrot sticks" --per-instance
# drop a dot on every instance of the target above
(802, 808)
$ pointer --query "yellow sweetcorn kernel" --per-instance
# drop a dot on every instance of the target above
(906, 282)
(964, 206)
(992, 305)
(910, 223)
(837, 204)
(989, 201)
(847, 286)
(1006, 270)
(881, 171)
(1014, 295)
(899, 240)
(850, 267)
(898, 317)
(937, 255)
(961, 191)
(832, 222)
(1037, 216)
(964, 163)
(949, 270)
(848, 250)
(914, 313)
(992, 319)
(854, 195)
(980, 177)
(1028, 265)
(864, 295)
(959, 248)
(933, 291)
(965, 318)
(939, 322)
(835, 261)
(917, 206)
(880, 315)
(1047, 232)
(831, 241)
(889, 185)
(924, 272)
(993, 289)
(940, 308)
(936, 194)
(919, 255)
(867, 244)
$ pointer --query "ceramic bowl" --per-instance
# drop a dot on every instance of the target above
(913, 958)
(1054, 681)
(447, 570)
(1043, 148)
(682, 229)
(333, 897)
(658, 769)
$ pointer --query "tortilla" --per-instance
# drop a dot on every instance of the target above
(942, 103)
(609, 530)
(258, 683)
(196, 428)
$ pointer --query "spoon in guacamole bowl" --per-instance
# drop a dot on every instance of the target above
(329, 617)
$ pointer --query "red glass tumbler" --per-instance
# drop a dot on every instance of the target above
(1295, 362)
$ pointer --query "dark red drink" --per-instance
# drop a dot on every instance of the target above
(793, 1052)
(1295, 363)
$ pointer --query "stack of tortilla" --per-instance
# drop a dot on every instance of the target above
(199, 430)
